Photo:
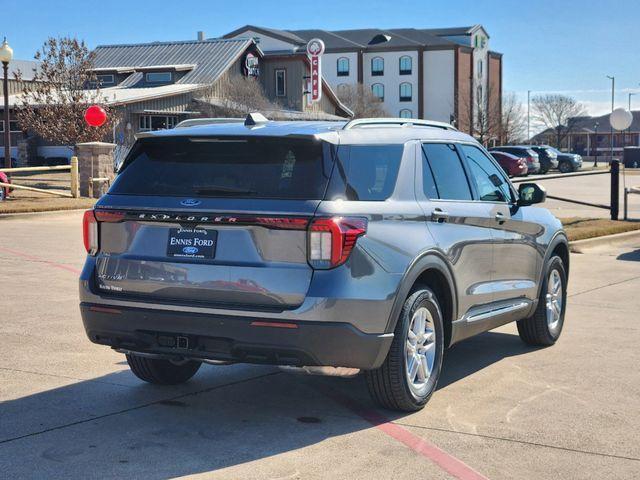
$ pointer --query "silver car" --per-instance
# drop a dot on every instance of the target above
(365, 245)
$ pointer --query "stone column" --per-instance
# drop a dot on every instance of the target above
(95, 160)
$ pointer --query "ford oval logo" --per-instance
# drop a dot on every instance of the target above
(190, 202)
(190, 250)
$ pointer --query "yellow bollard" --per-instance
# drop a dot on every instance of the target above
(75, 184)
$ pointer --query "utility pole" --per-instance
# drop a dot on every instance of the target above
(629, 129)
(613, 95)
(528, 115)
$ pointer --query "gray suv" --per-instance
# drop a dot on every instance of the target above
(372, 244)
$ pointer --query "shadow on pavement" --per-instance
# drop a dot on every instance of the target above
(633, 256)
(114, 426)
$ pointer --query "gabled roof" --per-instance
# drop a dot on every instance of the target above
(373, 39)
(204, 61)
(284, 35)
(26, 67)
(452, 31)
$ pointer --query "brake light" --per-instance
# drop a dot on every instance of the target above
(90, 232)
(90, 228)
(331, 240)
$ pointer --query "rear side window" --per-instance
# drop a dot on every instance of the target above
(446, 171)
(247, 167)
(365, 172)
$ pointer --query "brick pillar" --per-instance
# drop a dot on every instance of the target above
(27, 152)
(95, 160)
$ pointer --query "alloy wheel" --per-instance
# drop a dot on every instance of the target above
(420, 350)
(554, 300)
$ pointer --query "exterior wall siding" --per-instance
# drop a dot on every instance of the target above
(266, 43)
(296, 69)
(439, 83)
(464, 95)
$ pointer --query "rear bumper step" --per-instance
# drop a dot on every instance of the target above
(235, 339)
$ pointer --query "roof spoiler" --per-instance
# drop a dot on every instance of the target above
(400, 122)
(254, 119)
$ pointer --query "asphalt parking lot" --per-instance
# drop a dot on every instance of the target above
(71, 409)
(588, 188)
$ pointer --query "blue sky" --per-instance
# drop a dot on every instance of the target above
(561, 46)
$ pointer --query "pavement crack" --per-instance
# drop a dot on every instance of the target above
(524, 442)
(603, 286)
(137, 407)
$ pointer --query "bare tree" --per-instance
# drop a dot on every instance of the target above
(513, 128)
(479, 116)
(361, 101)
(235, 96)
(557, 112)
(63, 86)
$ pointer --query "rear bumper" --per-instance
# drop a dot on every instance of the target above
(220, 337)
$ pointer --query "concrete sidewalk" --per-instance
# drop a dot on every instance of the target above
(71, 409)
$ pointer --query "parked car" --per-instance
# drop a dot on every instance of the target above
(512, 165)
(567, 162)
(333, 246)
(4, 191)
(548, 157)
(531, 157)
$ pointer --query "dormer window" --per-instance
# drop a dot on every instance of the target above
(105, 79)
(158, 77)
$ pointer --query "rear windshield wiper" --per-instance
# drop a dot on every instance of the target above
(217, 189)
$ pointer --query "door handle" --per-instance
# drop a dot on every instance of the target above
(500, 218)
(439, 215)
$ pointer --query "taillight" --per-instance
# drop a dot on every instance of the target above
(331, 240)
(90, 232)
(90, 222)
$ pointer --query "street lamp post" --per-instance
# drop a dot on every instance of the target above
(6, 54)
(595, 161)
(528, 115)
(629, 129)
(613, 94)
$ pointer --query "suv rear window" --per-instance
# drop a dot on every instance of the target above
(247, 167)
(365, 172)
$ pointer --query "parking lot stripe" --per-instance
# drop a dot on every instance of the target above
(33, 258)
(449, 463)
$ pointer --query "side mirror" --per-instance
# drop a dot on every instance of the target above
(530, 193)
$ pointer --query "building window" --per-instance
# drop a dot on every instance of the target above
(480, 65)
(405, 65)
(405, 92)
(106, 79)
(406, 113)
(157, 122)
(281, 83)
(13, 126)
(158, 77)
(343, 67)
(480, 96)
(378, 90)
(377, 67)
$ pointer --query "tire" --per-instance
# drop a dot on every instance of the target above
(543, 328)
(565, 167)
(389, 384)
(160, 371)
(3, 194)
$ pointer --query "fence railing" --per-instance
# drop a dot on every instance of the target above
(613, 171)
(72, 168)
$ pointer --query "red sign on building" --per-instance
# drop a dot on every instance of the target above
(315, 49)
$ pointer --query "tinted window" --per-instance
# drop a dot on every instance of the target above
(223, 167)
(489, 181)
(447, 171)
(365, 172)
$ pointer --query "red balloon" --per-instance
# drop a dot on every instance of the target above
(95, 116)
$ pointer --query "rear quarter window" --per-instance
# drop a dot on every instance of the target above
(365, 172)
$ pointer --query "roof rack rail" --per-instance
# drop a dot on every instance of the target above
(400, 122)
(190, 122)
